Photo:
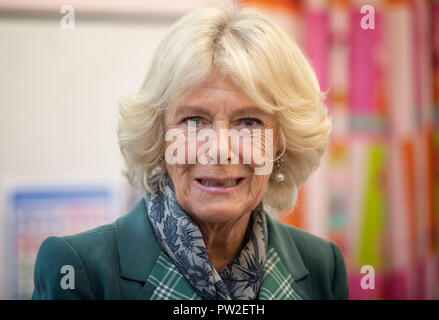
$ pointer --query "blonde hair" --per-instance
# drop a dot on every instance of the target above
(262, 60)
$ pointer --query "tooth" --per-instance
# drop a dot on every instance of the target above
(208, 183)
(229, 183)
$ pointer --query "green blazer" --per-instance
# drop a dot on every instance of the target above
(122, 260)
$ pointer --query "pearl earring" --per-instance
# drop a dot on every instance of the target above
(279, 176)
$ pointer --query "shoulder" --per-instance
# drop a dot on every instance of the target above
(322, 259)
(81, 258)
(101, 258)
(90, 244)
(96, 240)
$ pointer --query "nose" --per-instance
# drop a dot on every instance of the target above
(222, 150)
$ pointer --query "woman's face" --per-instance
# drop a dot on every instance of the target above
(207, 192)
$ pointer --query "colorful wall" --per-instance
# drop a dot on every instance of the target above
(376, 193)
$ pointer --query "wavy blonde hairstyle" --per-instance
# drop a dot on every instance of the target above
(261, 59)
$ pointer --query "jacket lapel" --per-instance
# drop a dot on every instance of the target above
(142, 260)
(138, 249)
(282, 240)
(284, 269)
(277, 282)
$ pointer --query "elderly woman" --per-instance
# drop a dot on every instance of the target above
(201, 231)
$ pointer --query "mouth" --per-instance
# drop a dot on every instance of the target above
(219, 184)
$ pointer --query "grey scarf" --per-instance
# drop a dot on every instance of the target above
(180, 238)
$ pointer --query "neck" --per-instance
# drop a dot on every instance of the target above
(224, 241)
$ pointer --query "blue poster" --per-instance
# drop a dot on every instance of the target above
(33, 214)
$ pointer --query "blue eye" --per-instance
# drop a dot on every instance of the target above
(194, 119)
(250, 122)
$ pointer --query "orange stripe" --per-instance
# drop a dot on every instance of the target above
(399, 1)
(286, 5)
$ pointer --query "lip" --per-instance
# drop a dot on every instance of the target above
(218, 189)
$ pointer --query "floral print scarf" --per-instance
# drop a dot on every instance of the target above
(180, 238)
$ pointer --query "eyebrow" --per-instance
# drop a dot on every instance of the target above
(191, 109)
(203, 111)
(251, 110)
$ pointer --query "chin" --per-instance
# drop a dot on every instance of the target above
(216, 213)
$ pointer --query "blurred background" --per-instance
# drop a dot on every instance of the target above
(65, 65)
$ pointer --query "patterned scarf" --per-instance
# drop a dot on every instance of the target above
(180, 238)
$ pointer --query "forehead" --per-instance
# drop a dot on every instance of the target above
(221, 82)
(216, 94)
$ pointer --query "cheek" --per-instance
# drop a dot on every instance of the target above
(178, 173)
(257, 150)
(180, 176)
